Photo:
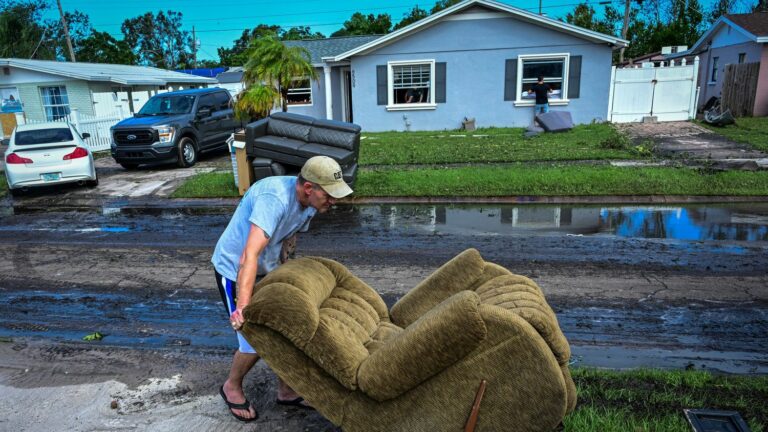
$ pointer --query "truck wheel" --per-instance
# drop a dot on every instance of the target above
(129, 166)
(92, 183)
(187, 152)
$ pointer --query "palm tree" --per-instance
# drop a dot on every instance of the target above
(269, 71)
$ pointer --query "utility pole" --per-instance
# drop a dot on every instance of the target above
(194, 48)
(624, 28)
(66, 32)
(540, 7)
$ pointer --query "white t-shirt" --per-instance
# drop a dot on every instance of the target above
(272, 205)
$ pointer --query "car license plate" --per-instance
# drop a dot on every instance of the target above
(51, 177)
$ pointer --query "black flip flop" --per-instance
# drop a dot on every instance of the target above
(294, 402)
(241, 406)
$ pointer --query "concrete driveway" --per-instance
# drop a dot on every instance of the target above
(692, 142)
(116, 183)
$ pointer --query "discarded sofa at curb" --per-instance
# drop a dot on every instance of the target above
(555, 121)
(417, 367)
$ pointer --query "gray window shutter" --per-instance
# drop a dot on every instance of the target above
(439, 82)
(574, 77)
(510, 79)
(381, 85)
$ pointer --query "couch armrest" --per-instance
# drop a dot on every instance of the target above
(456, 275)
(253, 131)
(443, 336)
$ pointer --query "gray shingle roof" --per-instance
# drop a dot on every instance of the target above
(119, 74)
(319, 48)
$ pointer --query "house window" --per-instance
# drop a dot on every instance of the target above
(554, 69)
(55, 102)
(742, 57)
(9, 100)
(300, 92)
(410, 83)
(713, 78)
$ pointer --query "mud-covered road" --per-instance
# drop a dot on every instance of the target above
(143, 280)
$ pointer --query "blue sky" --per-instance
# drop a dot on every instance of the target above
(219, 23)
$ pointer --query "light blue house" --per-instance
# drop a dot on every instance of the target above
(476, 59)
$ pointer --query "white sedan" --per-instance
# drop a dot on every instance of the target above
(45, 154)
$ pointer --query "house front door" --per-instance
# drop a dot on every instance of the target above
(346, 95)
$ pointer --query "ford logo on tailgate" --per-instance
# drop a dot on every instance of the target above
(131, 137)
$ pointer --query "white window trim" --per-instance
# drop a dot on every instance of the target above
(42, 99)
(391, 106)
(519, 85)
(311, 96)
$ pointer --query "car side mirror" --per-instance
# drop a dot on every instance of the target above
(86, 135)
(203, 112)
(5, 141)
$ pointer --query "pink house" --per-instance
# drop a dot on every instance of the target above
(738, 38)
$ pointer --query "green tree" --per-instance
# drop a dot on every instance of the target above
(300, 33)
(101, 47)
(584, 15)
(21, 33)
(80, 29)
(237, 55)
(158, 40)
(411, 17)
(720, 8)
(443, 4)
(271, 68)
(359, 24)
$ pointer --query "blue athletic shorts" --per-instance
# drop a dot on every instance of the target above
(228, 291)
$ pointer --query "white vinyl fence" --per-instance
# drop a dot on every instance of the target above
(97, 127)
(667, 92)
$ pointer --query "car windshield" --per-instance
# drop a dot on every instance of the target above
(162, 104)
(43, 136)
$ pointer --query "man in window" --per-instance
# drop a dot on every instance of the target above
(412, 96)
(542, 100)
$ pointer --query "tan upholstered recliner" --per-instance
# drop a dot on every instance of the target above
(417, 368)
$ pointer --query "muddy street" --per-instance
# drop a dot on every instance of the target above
(669, 287)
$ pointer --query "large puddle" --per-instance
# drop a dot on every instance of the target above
(738, 222)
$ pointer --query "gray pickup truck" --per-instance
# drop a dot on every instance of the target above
(175, 127)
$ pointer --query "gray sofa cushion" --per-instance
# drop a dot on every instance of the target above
(332, 137)
(289, 129)
(341, 156)
(278, 144)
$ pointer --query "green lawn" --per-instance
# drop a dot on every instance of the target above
(653, 400)
(585, 142)
(3, 186)
(520, 179)
(208, 185)
(750, 130)
(523, 179)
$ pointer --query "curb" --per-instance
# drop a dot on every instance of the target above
(221, 205)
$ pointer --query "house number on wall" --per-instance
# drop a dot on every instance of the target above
(353, 78)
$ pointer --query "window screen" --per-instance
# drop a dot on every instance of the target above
(551, 69)
(411, 83)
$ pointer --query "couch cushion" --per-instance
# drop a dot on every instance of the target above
(343, 157)
(288, 129)
(522, 296)
(278, 144)
(335, 134)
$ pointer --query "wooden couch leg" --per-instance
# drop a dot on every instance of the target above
(472, 421)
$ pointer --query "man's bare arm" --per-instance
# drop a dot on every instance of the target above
(249, 266)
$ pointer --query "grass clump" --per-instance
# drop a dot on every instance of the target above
(3, 185)
(208, 185)
(653, 400)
